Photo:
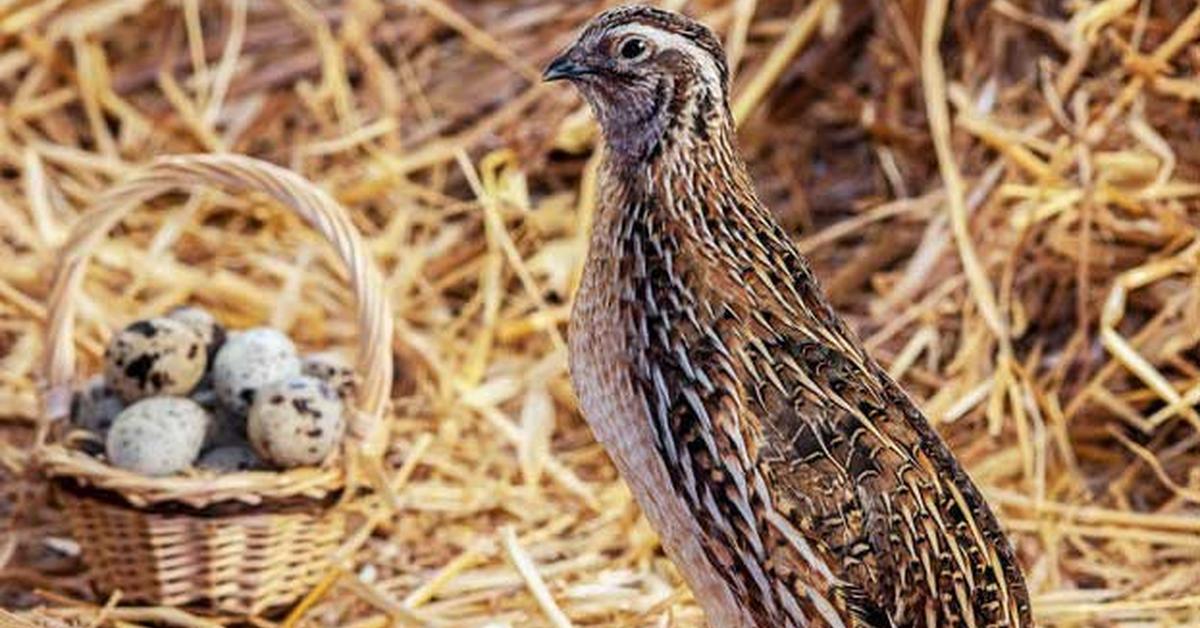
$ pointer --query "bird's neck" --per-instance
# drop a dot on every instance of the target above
(696, 186)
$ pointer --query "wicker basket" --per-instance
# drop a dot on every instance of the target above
(238, 542)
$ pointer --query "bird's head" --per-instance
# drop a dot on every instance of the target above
(647, 73)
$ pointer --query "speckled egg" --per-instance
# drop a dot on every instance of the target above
(95, 406)
(296, 422)
(211, 333)
(226, 426)
(229, 458)
(332, 369)
(157, 356)
(157, 436)
(250, 360)
(206, 396)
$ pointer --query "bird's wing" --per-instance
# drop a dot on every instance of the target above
(857, 470)
(695, 367)
(823, 491)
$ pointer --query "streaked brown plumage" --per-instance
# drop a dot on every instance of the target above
(792, 481)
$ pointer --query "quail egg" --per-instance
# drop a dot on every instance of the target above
(157, 436)
(296, 422)
(206, 396)
(203, 323)
(250, 360)
(332, 369)
(226, 426)
(228, 458)
(157, 356)
(95, 406)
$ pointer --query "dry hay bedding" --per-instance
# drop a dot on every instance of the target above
(1017, 242)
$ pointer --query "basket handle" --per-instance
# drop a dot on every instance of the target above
(311, 203)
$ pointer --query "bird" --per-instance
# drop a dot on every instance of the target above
(788, 476)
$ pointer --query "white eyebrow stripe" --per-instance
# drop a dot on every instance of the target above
(663, 40)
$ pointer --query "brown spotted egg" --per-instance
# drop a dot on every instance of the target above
(229, 458)
(157, 436)
(157, 356)
(296, 422)
(95, 406)
(332, 369)
(248, 361)
(203, 323)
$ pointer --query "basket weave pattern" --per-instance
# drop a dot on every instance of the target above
(238, 542)
(240, 563)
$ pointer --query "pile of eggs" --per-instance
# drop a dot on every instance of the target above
(179, 391)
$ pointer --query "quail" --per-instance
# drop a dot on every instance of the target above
(791, 480)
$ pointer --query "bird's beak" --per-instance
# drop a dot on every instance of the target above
(565, 67)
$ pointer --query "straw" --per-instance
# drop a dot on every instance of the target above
(1000, 196)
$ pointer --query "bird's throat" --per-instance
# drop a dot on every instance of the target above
(694, 186)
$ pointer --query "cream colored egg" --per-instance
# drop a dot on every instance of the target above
(95, 406)
(157, 356)
(249, 361)
(230, 458)
(157, 436)
(203, 323)
(331, 368)
(296, 422)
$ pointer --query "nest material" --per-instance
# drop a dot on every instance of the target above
(1001, 197)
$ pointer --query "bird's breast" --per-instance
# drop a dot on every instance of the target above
(602, 372)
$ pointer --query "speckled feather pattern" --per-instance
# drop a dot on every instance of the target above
(789, 476)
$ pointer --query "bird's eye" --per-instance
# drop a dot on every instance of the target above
(633, 48)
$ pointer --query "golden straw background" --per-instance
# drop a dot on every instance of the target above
(1003, 196)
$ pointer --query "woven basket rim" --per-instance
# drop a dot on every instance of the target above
(212, 510)
(367, 418)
